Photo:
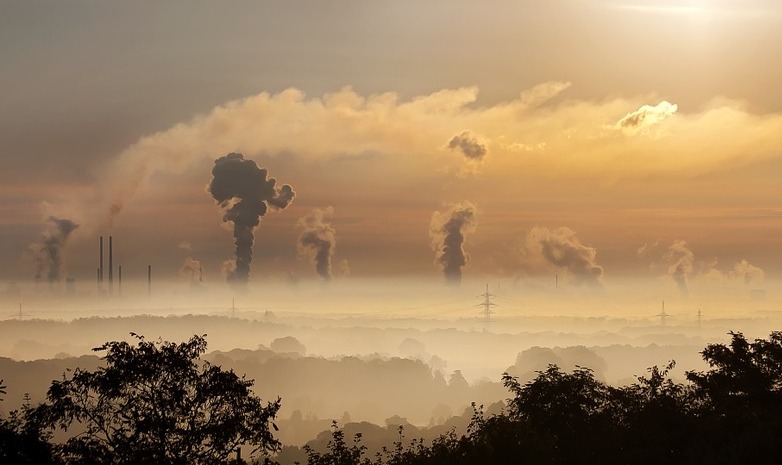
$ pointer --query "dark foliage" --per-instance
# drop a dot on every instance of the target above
(156, 403)
(730, 414)
(23, 440)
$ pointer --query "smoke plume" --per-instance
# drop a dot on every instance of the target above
(469, 146)
(245, 194)
(191, 271)
(562, 250)
(680, 261)
(318, 240)
(747, 273)
(48, 251)
(447, 231)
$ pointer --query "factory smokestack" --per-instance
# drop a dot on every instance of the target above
(119, 279)
(100, 274)
(111, 267)
(245, 193)
(149, 280)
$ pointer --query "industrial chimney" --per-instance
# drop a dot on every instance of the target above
(111, 268)
(100, 269)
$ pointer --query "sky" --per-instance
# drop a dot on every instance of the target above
(592, 139)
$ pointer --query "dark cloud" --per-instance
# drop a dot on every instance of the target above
(469, 146)
(48, 251)
(447, 231)
(318, 240)
(245, 194)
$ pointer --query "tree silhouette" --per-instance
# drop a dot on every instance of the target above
(157, 403)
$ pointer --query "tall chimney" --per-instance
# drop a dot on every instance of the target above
(111, 268)
(149, 280)
(100, 274)
(119, 279)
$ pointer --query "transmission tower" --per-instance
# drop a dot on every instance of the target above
(487, 304)
(19, 315)
(233, 308)
(662, 316)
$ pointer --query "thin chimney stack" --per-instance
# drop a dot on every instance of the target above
(111, 267)
(100, 269)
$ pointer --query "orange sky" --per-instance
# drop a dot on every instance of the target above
(589, 127)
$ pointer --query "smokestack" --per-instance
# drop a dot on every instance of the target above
(111, 268)
(100, 274)
(98, 278)
(149, 280)
(119, 279)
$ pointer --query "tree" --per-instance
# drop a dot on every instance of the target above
(157, 402)
(23, 440)
(741, 399)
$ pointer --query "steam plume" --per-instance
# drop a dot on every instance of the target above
(318, 240)
(48, 252)
(244, 193)
(447, 231)
(561, 249)
(191, 271)
(469, 145)
(747, 273)
(680, 260)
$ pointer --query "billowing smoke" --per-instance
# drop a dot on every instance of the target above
(680, 261)
(344, 268)
(747, 273)
(244, 193)
(561, 249)
(469, 146)
(447, 231)
(318, 240)
(48, 251)
(191, 271)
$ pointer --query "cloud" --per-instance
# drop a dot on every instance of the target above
(448, 230)
(647, 116)
(184, 245)
(468, 144)
(561, 250)
(580, 137)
